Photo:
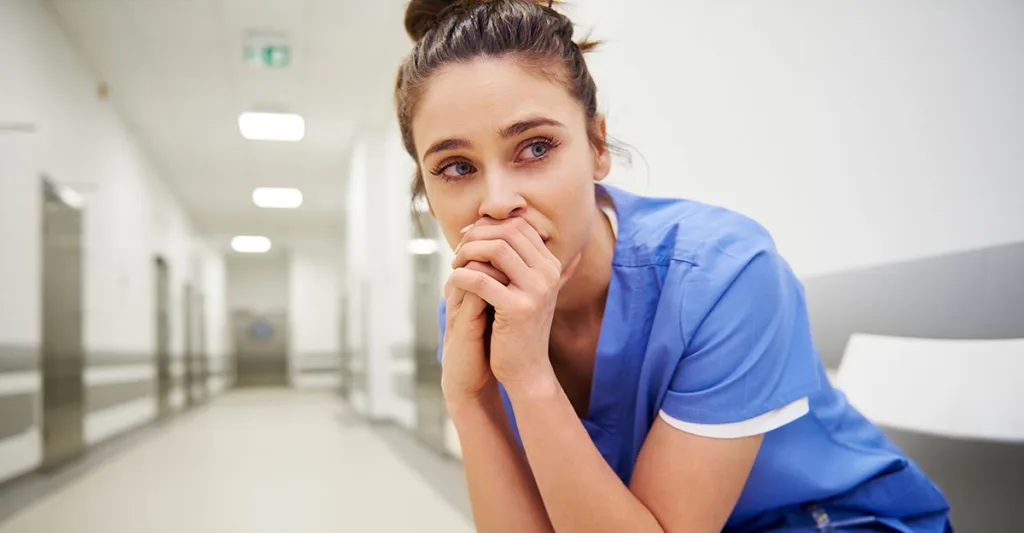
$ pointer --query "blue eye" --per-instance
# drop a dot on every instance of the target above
(537, 149)
(454, 170)
(461, 169)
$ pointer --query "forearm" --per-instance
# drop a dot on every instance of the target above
(580, 491)
(502, 490)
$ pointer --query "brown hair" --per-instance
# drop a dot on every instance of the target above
(453, 31)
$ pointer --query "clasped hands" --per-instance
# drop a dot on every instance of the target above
(500, 301)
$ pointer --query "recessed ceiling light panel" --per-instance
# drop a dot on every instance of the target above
(271, 126)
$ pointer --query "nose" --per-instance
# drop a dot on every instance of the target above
(502, 199)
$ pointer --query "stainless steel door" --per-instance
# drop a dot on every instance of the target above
(430, 409)
(261, 349)
(162, 299)
(187, 304)
(63, 394)
(201, 357)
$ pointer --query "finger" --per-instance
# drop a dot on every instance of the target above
(454, 299)
(472, 306)
(569, 270)
(483, 286)
(523, 238)
(500, 255)
(487, 268)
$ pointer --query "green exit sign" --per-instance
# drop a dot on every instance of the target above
(267, 56)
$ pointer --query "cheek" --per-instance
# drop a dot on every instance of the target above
(567, 201)
(452, 213)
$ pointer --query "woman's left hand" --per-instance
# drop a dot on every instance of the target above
(524, 308)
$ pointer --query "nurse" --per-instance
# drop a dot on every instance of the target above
(613, 362)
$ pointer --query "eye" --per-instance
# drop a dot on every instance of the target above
(536, 150)
(453, 170)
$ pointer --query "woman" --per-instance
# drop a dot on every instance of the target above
(613, 362)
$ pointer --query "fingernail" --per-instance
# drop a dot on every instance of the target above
(457, 248)
(465, 229)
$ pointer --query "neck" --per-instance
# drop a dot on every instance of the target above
(583, 296)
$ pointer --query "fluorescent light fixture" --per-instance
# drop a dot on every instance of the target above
(421, 246)
(250, 244)
(271, 126)
(277, 197)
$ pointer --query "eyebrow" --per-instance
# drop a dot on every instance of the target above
(447, 144)
(524, 126)
(517, 128)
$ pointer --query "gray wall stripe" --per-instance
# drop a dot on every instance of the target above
(315, 360)
(105, 359)
(18, 358)
(319, 371)
(18, 414)
(971, 295)
(100, 397)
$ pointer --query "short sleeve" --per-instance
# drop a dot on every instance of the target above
(748, 364)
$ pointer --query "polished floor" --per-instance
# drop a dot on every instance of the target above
(260, 461)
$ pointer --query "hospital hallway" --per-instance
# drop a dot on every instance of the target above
(224, 252)
(250, 461)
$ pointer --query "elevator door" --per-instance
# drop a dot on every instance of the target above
(430, 408)
(164, 385)
(62, 352)
(261, 349)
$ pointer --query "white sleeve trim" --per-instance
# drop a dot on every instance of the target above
(746, 428)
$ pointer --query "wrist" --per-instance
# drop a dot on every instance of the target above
(541, 386)
(483, 401)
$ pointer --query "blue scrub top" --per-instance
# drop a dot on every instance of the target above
(706, 322)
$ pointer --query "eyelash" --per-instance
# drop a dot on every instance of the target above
(548, 142)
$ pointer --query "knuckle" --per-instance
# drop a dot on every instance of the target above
(500, 249)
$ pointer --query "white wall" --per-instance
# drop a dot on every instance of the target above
(378, 270)
(257, 283)
(315, 314)
(859, 133)
(129, 214)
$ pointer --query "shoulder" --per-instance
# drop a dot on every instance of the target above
(704, 236)
(712, 258)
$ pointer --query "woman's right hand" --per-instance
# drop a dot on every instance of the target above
(465, 369)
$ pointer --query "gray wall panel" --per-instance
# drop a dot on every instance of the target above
(972, 295)
(982, 480)
(19, 414)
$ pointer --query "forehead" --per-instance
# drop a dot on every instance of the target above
(482, 96)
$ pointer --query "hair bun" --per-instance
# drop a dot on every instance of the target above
(423, 15)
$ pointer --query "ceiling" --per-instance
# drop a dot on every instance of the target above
(175, 72)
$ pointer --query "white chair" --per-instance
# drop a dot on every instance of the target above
(970, 389)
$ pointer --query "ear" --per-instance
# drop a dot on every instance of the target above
(603, 156)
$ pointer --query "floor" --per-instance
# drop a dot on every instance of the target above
(253, 461)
